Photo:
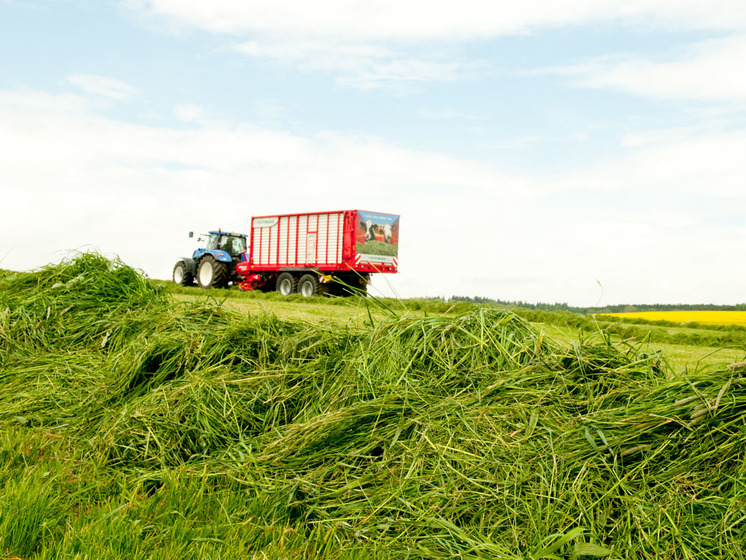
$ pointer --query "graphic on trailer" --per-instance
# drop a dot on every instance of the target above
(377, 237)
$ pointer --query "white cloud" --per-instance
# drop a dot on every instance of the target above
(467, 229)
(434, 19)
(102, 86)
(388, 43)
(361, 65)
(91, 179)
(681, 164)
(710, 70)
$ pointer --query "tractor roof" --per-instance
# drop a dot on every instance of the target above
(233, 233)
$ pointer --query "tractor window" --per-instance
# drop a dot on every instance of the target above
(236, 245)
(212, 242)
(233, 245)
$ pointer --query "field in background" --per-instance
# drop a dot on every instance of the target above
(681, 357)
(701, 317)
(686, 346)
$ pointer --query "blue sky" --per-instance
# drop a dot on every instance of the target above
(582, 151)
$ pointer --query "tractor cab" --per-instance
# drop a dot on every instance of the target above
(231, 243)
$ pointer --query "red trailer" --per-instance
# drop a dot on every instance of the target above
(320, 252)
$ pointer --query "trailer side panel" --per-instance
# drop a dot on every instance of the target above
(298, 240)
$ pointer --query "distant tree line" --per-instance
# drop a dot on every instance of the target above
(622, 308)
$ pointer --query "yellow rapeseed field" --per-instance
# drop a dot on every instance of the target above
(703, 317)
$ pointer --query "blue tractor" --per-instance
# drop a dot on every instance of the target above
(213, 266)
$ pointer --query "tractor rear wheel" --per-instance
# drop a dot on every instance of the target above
(286, 283)
(181, 275)
(212, 273)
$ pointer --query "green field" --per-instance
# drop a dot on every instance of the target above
(685, 347)
(141, 420)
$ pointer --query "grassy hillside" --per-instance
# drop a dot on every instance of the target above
(135, 425)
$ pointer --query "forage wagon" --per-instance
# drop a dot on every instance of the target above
(310, 253)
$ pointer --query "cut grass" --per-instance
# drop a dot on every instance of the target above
(356, 312)
(136, 426)
(315, 311)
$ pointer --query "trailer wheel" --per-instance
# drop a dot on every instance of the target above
(211, 273)
(309, 286)
(181, 275)
(286, 283)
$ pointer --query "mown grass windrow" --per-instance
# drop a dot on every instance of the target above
(134, 426)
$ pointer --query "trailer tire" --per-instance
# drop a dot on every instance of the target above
(211, 273)
(286, 283)
(309, 285)
(182, 275)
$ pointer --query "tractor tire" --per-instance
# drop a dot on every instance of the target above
(211, 273)
(181, 275)
(309, 285)
(286, 283)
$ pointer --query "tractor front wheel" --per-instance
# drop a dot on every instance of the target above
(212, 273)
